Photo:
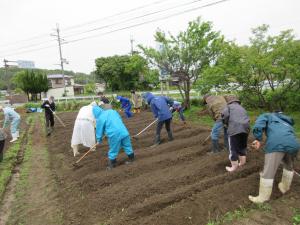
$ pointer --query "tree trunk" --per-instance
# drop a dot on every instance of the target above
(187, 94)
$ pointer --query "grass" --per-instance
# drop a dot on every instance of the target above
(239, 214)
(296, 217)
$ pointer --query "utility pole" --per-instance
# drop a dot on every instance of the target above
(6, 66)
(62, 60)
(131, 43)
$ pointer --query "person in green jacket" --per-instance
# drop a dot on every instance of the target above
(281, 146)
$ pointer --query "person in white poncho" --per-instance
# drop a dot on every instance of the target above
(84, 129)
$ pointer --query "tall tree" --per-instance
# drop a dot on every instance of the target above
(186, 55)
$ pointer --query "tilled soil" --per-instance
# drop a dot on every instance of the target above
(174, 183)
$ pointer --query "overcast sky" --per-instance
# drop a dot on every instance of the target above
(24, 19)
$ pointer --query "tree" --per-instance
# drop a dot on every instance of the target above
(31, 82)
(186, 55)
(265, 74)
(90, 88)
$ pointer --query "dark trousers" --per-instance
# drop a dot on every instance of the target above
(160, 125)
(49, 119)
(1, 149)
(237, 146)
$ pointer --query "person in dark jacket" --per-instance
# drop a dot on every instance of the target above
(125, 105)
(236, 120)
(104, 101)
(281, 146)
(49, 107)
(160, 107)
(215, 106)
(2, 143)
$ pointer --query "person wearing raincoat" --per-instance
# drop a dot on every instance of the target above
(84, 129)
(160, 107)
(125, 105)
(13, 118)
(137, 101)
(110, 124)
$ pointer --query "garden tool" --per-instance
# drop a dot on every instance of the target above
(146, 128)
(90, 150)
(59, 120)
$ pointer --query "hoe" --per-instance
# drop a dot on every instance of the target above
(91, 149)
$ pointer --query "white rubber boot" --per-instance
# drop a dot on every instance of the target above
(234, 166)
(14, 138)
(265, 191)
(242, 160)
(286, 181)
(75, 150)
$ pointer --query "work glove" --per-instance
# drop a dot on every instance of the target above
(256, 144)
(171, 109)
(48, 106)
(54, 113)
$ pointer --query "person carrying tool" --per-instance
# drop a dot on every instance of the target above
(160, 107)
(236, 120)
(110, 124)
(13, 118)
(84, 128)
(215, 106)
(137, 101)
(125, 105)
(49, 107)
(281, 147)
(177, 107)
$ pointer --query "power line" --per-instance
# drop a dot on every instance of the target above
(146, 22)
(136, 17)
(87, 23)
(123, 28)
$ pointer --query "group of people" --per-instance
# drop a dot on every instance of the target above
(281, 145)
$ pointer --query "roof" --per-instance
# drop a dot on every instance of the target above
(78, 85)
(55, 76)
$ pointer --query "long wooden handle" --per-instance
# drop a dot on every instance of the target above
(146, 128)
(85, 153)
(59, 120)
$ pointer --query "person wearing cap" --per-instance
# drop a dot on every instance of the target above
(12, 118)
(177, 107)
(235, 118)
(281, 146)
(49, 106)
(215, 106)
(125, 105)
(137, 101)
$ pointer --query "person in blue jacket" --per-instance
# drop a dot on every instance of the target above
(126, 105)
(160, 107)
(177, 107)
(12, 118)
(281, 146)
(110, 124)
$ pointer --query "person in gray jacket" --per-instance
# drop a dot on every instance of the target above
(236, 120)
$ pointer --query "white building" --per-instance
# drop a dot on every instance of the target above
(56, 85)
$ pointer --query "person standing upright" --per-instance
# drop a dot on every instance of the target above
(49, 106)
(137, 101)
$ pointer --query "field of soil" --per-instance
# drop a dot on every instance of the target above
(174, 183)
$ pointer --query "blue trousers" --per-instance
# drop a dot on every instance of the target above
(128, 114)
(216, 132)
(115, 144)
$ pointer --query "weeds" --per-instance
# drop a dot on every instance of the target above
(296, 217)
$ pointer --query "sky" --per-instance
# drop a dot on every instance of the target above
(97, 28)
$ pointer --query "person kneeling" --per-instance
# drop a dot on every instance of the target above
(110, 124)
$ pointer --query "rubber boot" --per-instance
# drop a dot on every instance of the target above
(111, 164)
(130, 159)
(75, 150)
(157, 141)
(226, 144)
(234, 166)
(14, 138)
(286, 181)
(170, 136)
(242, 160)
(265, 191)
(1, 156)
(215, 146)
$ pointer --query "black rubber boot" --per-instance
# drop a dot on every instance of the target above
(170, 136)
(111, 164)
(1, 156)
(130, 159)
(48, 131)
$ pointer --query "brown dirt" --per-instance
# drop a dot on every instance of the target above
(174, 183)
